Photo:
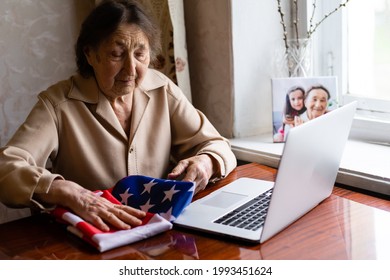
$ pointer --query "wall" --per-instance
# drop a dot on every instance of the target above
(36, 49)
(231, 45)
(257, 35)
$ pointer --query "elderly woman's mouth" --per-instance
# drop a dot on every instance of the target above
(126, 81)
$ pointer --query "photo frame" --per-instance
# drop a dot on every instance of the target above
(300, 99)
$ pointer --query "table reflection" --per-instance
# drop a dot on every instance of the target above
(173, 243)
(336, 229)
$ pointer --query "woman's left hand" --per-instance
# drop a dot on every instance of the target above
(198, 169)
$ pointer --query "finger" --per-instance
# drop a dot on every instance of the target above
(97, 222)
(119, 219)
(190, 176)
(102, 213)
(94, 212)
(179, 169)
(114, 220)
(124, 217)
(132, 211)
(198, 178)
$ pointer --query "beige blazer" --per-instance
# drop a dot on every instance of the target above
(74, 126)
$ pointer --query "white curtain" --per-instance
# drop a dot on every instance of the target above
(176, 8)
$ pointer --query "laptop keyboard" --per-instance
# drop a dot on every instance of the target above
(250, 215)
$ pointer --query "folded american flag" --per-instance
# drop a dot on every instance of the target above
(167, 198)
(163, 200)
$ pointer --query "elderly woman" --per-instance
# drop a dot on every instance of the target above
(316, 103)
(115, 118)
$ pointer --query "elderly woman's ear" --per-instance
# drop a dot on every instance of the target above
(90, 55)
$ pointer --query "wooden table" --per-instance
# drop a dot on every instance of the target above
(347, 225)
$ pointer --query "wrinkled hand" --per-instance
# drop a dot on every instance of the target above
(91, 207)
(198, 169)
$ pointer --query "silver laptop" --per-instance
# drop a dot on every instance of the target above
(306, 175)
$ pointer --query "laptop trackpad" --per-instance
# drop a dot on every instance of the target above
(224, 199)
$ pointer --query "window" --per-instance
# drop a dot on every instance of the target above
(365, 162)
(368, 45)
(351, 46)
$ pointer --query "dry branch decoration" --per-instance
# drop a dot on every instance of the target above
(312, 25)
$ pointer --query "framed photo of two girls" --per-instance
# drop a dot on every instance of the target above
(300, 99)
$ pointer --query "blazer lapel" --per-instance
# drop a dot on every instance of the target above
(86, 90)
(105, 111)
(140, 102)
(142, 96)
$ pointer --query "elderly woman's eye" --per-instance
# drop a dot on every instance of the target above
(140, 55)
(116, 54)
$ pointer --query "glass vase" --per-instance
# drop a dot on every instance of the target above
(294, 59)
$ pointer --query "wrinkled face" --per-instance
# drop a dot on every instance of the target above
(296, 99)
(316, 103)
(121, 61)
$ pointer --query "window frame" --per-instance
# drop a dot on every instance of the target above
(372, 120)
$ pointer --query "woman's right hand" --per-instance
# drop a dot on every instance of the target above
(91, 207)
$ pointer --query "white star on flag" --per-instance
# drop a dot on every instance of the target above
(146, 206)
(168, 215)
(169, 193)
(148, 186)
(124, 196)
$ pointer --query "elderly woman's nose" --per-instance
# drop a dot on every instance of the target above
(129, 65)
(318, 103)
